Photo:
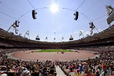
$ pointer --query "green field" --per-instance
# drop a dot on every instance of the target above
(54, 50)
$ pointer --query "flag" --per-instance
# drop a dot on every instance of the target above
(54, 38)
(80, 34)
(110, 18)
(91, 32)
(46, 38)
(27, 33)
(16, 31)
(62, 38)
(109, 10)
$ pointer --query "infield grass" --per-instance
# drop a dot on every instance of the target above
(53, 50)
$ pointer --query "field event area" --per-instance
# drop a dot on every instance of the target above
(54, 50)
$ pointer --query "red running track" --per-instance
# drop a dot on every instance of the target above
(54, 56)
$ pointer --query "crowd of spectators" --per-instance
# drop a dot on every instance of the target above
(10, 67)
(99, 66)
(103, 65)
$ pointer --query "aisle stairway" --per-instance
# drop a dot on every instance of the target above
(59, 71)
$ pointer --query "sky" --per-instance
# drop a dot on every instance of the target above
(54, 25)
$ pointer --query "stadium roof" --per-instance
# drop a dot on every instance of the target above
(56, 26)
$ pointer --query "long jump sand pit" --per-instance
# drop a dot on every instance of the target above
(53, 56)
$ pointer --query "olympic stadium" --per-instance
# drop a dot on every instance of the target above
(56, 38)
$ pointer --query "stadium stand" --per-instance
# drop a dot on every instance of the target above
(100, 66)
(103, 38)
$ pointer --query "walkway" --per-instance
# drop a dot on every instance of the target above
(59, 71)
